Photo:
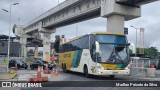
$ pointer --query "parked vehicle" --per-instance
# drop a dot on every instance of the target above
(36, 63)
(20, 63)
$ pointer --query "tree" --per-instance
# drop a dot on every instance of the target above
(151, 52)
(159, 54)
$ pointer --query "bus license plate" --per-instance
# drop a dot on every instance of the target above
(115, 72)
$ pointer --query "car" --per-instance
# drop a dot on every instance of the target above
(36, 63)
(20, 63)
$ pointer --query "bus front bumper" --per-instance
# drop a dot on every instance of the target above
(102, 72)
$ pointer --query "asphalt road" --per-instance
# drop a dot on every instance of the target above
(23, 75)
(72, 77)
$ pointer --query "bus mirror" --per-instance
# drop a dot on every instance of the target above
(128, 44)
(97, 47)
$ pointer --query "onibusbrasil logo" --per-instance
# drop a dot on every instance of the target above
(20, 84)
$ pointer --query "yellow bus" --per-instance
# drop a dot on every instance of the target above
(99, 53)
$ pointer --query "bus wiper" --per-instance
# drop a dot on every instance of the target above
(115, 57)
(120, 59)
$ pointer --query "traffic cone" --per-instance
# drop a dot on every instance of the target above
(41, 69)
(47, 70)
(32, 80)
(45, 79)
(16, 67)
(56, 73)
(38, 80)
(38, 69)
(39, 73)
(53, 57)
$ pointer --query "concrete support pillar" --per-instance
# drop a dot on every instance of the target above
(115, 23)
(23, 46)
(46, 46)
(36, 51)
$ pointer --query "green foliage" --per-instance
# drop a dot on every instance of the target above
(159, 54)
(151, 52)
(138, 50)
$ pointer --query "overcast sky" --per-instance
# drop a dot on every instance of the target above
(29, 9)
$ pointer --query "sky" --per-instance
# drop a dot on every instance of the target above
(27, 10)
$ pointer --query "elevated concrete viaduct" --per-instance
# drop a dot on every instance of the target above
(72, 11)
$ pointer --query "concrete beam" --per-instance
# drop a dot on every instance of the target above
(72, 11)
(44, 30)
(110, 7)
(134, 2)
(69, 12)
(117, 14)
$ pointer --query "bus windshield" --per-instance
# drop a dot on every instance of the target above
(113, 49)
(111, 39)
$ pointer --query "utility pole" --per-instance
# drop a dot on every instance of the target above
(10, 16)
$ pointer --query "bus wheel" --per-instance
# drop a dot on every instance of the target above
(112, 76)
(86, 72)
(64, 68)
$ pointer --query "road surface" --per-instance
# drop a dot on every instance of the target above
(71, 76)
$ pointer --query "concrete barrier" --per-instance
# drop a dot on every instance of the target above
(143, 72)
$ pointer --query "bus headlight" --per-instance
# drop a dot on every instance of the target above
(100, 67)
(126, 68)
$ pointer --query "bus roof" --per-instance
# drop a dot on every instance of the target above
(95, 33)
(73, 39)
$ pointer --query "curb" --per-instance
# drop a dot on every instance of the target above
(7, 76)
(11, 75)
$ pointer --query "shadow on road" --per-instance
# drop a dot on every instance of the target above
(94, 77)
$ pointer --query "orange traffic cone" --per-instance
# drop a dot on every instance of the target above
(41, 69)
(16, 67)
(45, 79)
(53, 57)
(47, 70)
(56, 73)
(39, 73)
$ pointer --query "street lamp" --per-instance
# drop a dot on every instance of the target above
(10, 14)
(58, 2)
(136, 44)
